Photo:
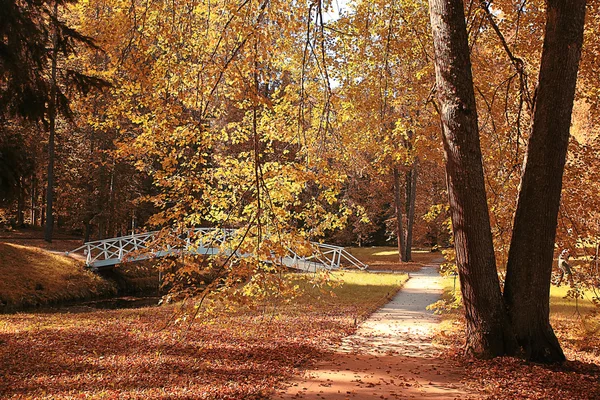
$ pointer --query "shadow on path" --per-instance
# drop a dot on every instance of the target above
(390, 356)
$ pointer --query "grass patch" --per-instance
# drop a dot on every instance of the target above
(573, 318)
(33, 277)
(363, 291)
(237, 354)
(565, 308)
(386, 258)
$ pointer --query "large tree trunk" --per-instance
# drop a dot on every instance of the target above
(488, 330)
(398, 209)
(49, 229)
(529, 267)
(411, 196)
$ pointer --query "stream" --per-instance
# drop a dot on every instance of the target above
(112, 303)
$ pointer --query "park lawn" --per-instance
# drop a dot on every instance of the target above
(32, 277)
(386, 258)
(242, 353)
(512, 378)
(361, 291)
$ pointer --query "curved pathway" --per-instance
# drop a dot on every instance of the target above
(390, 356)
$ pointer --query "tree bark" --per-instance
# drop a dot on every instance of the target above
(33, 195)
(398, 209)
(527, 289)
(411, 196)
(21, 203)
(88, 230)
(49, 229)
(487, 325)
(43, 210)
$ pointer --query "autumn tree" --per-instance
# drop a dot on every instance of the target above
(488, 329)
(532, 244)
(381, 57)
(527, 289)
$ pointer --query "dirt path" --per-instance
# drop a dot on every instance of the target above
(390, 356)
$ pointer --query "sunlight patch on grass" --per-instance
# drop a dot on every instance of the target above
(363, 291)
(386, 253)
(568, 308)
(33, 276)
(365, 278)
(395, 252)
(380, 257)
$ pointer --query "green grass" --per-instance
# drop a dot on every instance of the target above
(364, 290)
(561, 308)
(367, 287)
(389, 253)
(570, 310)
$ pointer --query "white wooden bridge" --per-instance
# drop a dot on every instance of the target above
(107, 253)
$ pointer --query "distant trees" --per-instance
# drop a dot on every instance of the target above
(37, 86)
(16, 168)
(382, 64)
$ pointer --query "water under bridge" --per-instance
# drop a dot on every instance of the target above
(107, 253)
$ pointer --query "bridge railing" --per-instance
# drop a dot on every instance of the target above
(141, 246)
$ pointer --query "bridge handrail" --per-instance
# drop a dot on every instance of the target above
(329, 256)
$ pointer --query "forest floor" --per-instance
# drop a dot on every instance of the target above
(249, 352)
(238, 352)
(370, 369)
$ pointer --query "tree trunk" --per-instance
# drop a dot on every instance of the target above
(52, 129)
(488, 330)
(411, 196)
(33, 194)
(43, 210)
(21, 204)
(102, 228)
(527, 289)
(398, 209)
(88, 231)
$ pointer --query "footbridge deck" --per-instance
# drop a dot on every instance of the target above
(107, 253)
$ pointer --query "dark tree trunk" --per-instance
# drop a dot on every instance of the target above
(529, 267)
(21, 204)
(488, 330)
(33, 194)
(88, 231)
(411, 196)
(398, 209)
(102, 228)
(43, 210)
(52, 129)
